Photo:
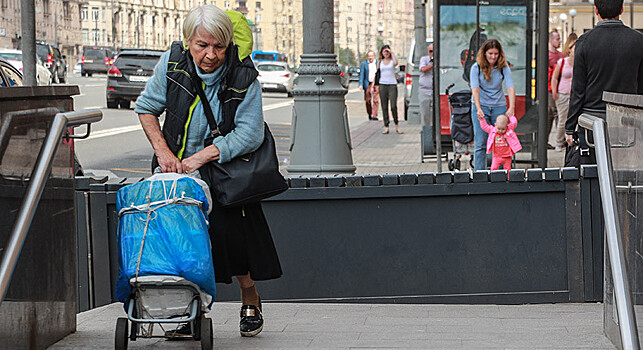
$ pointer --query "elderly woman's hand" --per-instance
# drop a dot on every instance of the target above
(168, 162)
(194, 162)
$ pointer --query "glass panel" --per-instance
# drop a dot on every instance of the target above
(626, 139)
(505, 21)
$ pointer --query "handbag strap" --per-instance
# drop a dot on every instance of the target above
(198, 85)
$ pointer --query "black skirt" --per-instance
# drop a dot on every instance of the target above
(242, 244)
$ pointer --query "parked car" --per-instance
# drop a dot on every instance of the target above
(96, 59)
(53, 60)
(275, 76)
(353, 73)
(343, 75)
(14, 57)
(9, 75)
(127, 76)
(410, 66)
(78, 67)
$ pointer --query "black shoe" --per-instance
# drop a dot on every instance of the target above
(181, 330)
(550, 146)
(251, 320)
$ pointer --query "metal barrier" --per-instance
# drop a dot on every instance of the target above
(623, 295)
(39, 176)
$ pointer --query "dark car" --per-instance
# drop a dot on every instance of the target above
(96, 59)
(9, 75)
(126, 79)
(53, 60)
(353, 73)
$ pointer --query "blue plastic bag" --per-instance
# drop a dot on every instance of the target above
(171, 210)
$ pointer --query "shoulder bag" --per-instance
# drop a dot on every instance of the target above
(245, 179)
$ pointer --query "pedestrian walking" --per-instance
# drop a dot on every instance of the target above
(385, 78)
(486, 78)
(608, 57)
(502, 141)
(561, 86)
(554, 56)
(367, 71)
(426, 86)
(242, 245)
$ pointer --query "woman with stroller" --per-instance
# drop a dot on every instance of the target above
(486, 78)
(385, 78)
(242, 245)
(561, 86)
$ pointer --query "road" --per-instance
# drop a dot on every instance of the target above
(117, 145)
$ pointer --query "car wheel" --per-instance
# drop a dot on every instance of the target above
(112, 104)
(89, 74)
(125, 104)
(289, 93)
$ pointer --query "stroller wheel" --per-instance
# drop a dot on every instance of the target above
(451, 165)
(457, 164)
(206, 334)
(120, 338)
(471, 162)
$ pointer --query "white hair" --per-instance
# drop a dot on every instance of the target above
(210, 18)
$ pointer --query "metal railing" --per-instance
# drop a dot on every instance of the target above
(622, 292)
(39, 177)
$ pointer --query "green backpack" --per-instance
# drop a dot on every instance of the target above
(242, 33)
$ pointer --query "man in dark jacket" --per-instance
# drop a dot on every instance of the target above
(607, 58)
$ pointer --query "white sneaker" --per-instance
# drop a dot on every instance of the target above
(559, 149)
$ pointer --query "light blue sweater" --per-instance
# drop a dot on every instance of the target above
(248, 133)
(491, 93)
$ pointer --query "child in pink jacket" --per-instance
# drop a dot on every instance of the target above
(502, 141)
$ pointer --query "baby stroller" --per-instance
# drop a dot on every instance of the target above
(461, 127)
(166, 275)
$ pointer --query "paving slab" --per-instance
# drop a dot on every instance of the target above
(376, 326)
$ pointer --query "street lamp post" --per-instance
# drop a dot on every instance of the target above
(572, 14)
(563, 18)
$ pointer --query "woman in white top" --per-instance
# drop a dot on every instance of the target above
(561, 86)
(387, 86)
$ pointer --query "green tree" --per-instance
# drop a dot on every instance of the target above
(378, 43)
(345, 56)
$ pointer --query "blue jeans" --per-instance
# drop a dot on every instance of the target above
(479, 136)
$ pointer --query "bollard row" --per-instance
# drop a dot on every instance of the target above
(444, 178)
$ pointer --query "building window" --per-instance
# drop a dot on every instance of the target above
(349, 8)
(257, 18)
(226, 4)
(45, 6)
(84, 13)
(66, 10)
(96, 35)
(258, 5)
(86, 36)
(95, 11)
(290, 19)
(103, 13)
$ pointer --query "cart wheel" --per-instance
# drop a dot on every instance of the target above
(451, 165)
(206, 334)
(457, 164)
(120, 339)
(197, 327)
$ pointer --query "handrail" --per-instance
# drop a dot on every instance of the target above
(41, 172)
(622, 292)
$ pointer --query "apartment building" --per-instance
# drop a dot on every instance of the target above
(57, 21)
(579, 17)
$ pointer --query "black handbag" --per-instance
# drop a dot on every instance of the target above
(245, 179)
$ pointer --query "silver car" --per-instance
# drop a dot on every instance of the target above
(275, 76)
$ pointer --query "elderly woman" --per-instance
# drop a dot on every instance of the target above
(242, 245)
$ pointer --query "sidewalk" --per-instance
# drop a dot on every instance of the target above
(350, 326)
(376, 153)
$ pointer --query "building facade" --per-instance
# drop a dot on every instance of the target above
(360, 25)
(578, 16)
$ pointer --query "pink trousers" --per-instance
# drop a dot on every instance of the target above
(496, 162)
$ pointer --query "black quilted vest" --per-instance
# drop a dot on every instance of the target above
(180, 94)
